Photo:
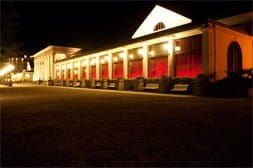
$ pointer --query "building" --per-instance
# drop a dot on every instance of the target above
(165, 44)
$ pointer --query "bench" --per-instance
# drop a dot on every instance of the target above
(180, 88)
(57, 83)
(98, 84)
(76, 84)
(151, 86)
(112, 85)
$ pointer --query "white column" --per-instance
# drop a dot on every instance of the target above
(171, 57)
(110, 65)
(145, 61)
(72, 70)
(79, 69)
(125, 64)
(52, 66)
(88, 68)
(97, 67)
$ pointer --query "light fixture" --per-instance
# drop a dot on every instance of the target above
(84, 63)
(106, 58)
(115, 59)
(166, 46)
(152, 53)
(75, 71)
(131, 56)
(177, 48)
(140, 51)
(102, 61)
(93, 61)
(121, 55)
(76, 65)
(69, 66)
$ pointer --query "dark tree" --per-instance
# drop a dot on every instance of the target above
(10, 26)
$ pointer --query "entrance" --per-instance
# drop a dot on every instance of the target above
(234, 61)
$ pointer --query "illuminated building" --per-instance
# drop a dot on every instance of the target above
(165, 44)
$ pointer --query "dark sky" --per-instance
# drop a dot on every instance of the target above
(91, 25)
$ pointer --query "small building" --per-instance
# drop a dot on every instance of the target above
(165, 44)
(23, 76)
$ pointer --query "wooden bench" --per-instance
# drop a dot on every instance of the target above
(151, 86)
(180, 88)
(98, 84)
(112, 85)
(76, 84)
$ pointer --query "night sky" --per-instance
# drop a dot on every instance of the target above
(91, 25)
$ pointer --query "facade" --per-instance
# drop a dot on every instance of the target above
(157, 48)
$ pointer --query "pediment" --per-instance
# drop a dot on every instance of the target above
(160, 19)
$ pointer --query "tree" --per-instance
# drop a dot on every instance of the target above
(10, 25)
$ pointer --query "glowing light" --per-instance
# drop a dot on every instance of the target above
(152, 53)
(57, 67)
(84, 63)
(75, 71)
(102, 61)
(140, 51)
(106, 58)
(121, 55)
(115, 59)
(131, 56)
(69, 66)
(177, 48)
(166, 46)
(93, 61)
(76, 65)
(7, 69)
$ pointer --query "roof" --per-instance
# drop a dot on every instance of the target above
(143, 38)
(69, 50)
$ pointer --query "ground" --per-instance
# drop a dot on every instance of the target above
(57, 126)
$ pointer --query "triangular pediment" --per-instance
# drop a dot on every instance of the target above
(162, 18)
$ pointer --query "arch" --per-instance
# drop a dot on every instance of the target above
(234, 58)
(159, 26)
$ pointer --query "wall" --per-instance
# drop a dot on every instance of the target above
(220, 38)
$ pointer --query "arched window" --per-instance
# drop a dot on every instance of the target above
(234, 61)
(159, 26)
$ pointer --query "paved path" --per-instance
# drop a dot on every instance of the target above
(57, 126)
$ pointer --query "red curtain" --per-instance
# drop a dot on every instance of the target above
(189, 60)
(117, 70)
(84, 75)
(93, 72)
(104, 71)
(158, 66)
(134, 68)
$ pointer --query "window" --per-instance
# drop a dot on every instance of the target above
(188, 56)
(117, 65)
(157, 61)
(103, 67)
(159, 26)
(93, 68)
(135, 57)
